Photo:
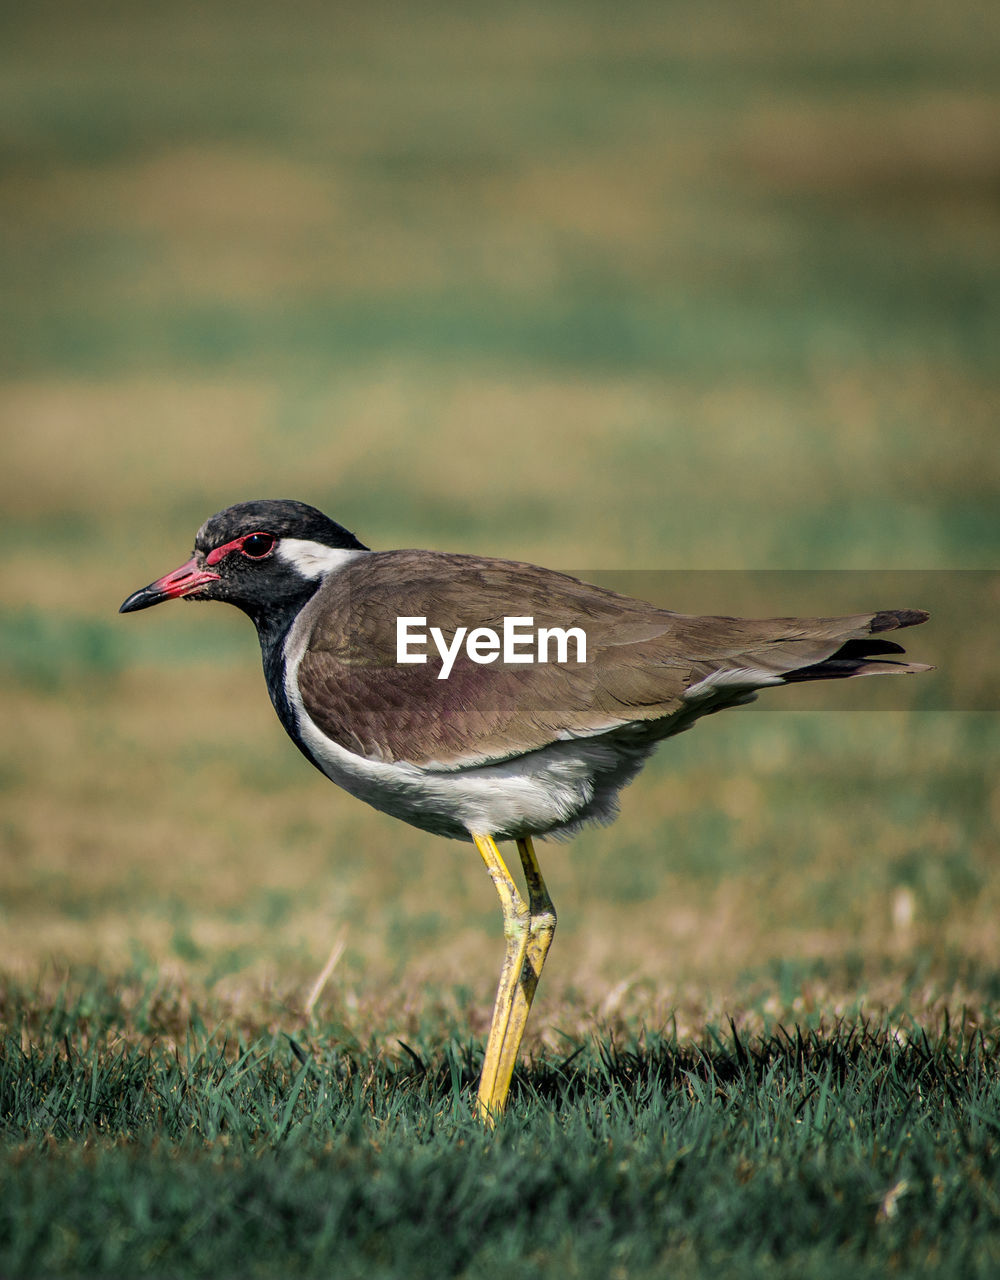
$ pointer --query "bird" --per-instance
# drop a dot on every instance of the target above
(425, 683)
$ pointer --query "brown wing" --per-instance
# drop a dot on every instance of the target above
(641, 660)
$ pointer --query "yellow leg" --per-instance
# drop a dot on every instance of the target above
(528, 929)
(542, 919)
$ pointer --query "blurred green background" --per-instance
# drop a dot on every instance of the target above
(643, 286)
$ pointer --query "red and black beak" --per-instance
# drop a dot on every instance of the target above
(185, 581)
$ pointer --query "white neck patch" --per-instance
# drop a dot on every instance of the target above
(313, 559)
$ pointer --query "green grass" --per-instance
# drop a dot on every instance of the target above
(201, 1124)
(799, 1153)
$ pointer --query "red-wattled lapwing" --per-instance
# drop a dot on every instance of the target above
(413, 679)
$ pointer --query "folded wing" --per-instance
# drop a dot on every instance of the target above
(646, 667)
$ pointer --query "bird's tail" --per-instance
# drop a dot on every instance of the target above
(865, 655)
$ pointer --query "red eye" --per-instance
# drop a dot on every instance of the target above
(257, 545)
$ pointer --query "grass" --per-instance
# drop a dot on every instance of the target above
(698, 300)
(169, 1107)
(795, 1153)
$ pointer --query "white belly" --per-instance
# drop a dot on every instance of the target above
(550, 791)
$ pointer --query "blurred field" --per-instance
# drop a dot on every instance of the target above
(657, 287)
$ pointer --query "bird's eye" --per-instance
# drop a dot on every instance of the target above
(257, 545)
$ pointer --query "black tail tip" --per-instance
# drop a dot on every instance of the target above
(892, 619)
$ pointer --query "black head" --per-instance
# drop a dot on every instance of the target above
(266, 557)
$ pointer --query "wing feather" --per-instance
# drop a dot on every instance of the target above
(644, 664)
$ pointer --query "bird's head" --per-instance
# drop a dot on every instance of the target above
(261, 556)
